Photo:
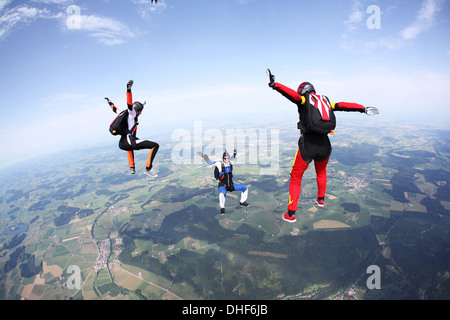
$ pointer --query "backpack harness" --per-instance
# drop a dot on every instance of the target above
(226, 180)
(119, 126)
(317, 115)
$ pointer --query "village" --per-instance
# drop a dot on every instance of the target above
(104, 253)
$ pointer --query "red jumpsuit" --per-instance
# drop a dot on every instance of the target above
(311, 146)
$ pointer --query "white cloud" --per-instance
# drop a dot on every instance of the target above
(355, 17)
(354, 45)
(424, 19)
(21, 15)
(106, 30)
(3, 4)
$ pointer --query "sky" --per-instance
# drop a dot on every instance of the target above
(205, 60)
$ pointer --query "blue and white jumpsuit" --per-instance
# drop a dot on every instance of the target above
(226, 182)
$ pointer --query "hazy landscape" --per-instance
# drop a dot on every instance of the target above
(134, 237)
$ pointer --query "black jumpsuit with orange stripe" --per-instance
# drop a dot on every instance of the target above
(129, 142)
(311, 146)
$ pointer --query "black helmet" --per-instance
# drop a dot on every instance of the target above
(138, 107)
(226, 154)
(305, 87)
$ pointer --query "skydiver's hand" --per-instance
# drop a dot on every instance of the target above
(371, 111)
(114, 109)
(204, 156)
(235, 153)
(271, 78)
(130, 84)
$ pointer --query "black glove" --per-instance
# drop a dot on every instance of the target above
(271, 78)
(130, 84)
(109, 101)
(235, 153)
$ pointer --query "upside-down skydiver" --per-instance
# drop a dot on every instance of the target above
(128, 140)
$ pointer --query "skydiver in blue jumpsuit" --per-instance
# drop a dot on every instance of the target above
(224, 173)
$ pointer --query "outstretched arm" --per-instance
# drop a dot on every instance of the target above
(288, 93)
(129, 95)
(206, 158)
(218, 164)
(355, 107)
(113, 107)
(348, 106)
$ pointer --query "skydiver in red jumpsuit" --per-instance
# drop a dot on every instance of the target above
(311, 145)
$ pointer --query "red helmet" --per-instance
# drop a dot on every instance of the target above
(305, 87)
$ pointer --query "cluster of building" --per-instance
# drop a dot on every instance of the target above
(116, 211)
(104, 249)
(356, 184)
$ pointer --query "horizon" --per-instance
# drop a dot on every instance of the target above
(171, 135)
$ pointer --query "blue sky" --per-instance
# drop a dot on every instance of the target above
(206, 59)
